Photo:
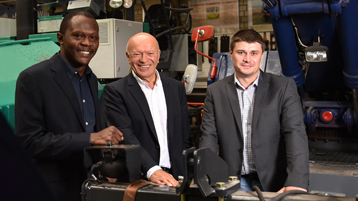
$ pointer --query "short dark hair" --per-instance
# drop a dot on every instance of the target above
(66, 20)
(249, 36)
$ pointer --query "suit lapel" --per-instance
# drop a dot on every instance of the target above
(93, 83)
(60, 75)
(234, 101)
(260, 96)
(169, 100)
(139, 96)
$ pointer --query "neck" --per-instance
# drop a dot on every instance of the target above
(151, 81)
(246, 81)
(81, 70)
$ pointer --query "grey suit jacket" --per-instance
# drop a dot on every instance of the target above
(279, 140)
(126, 107)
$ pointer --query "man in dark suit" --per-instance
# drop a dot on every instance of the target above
(56, 108)
(151, 110)
(255, 121)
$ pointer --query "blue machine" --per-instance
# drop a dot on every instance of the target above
(329, 88)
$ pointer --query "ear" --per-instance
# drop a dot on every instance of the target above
(159, 55)
(127, 55)
(60, 38)
(230, 51)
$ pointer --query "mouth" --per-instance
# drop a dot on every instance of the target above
(85, 52)
(246, 64)
(146, 66)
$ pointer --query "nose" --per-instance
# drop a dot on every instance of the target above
(247, 57)
(86, 41)
(144, 57)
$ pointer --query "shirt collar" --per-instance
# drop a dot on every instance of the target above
(255, 83)
(141, 82)
(72, 71)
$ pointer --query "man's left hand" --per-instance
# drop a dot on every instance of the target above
(290, 188)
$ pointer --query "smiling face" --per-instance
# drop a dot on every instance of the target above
(246, 59)
(80, 41)
(143, 55)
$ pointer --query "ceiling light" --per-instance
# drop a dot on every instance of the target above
(115, 3)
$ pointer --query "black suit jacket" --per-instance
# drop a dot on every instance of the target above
(49, 123)
(279, 140)
(126, 107)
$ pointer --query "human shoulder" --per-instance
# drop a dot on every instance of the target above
(273, 78)
(37, 69)
(222, 83)
(122, 82)
(170, 80)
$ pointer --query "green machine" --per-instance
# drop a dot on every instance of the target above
(15, 56)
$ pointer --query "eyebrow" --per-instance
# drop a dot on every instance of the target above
(248, 51)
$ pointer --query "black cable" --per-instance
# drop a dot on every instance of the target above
(259, 193)
(83, 190)
(279, 196)
(95, 166)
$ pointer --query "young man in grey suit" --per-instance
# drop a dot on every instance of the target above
(151, 110)
(255, 121)
(56, 108)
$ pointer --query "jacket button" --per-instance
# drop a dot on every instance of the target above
(157, 146)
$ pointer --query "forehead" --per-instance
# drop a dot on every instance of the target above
(242, 45)
(82, 23)
(144, 44)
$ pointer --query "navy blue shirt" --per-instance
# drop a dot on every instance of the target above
(84, 95)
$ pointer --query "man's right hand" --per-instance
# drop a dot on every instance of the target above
(108, 134)
(162, 178)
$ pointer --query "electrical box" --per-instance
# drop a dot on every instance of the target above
(110, 60)
(8, 27)
(49, 24)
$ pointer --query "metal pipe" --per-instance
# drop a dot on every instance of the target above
(26, 18)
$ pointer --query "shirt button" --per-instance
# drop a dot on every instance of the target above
(86, 123)
(84, 100)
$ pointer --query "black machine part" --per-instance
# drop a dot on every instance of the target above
(209, 172)
(114, 161)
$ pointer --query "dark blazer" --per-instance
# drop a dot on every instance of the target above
(48, 122)
(126, 107)
(279, 141)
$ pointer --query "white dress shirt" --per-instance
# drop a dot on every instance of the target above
(158, 109)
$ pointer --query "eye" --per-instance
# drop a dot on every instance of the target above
(78, 36)
(241, 52)
(93, 37)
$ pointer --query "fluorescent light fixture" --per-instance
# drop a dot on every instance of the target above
(316, 53)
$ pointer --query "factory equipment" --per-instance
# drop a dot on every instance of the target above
(16, 56)
(110, 60)
(205, 178)
(163, 21)
(316, 41)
